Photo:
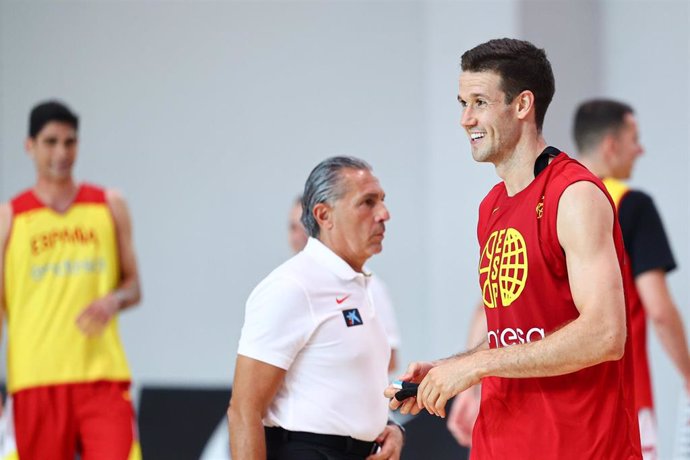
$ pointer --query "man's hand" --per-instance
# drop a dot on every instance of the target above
(446, 380)
(391, 441)
(463, 414)
(94, 318)
(415, 373)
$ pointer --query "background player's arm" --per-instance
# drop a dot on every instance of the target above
(584, 224)
(254, 387)
(96, 316)
(668, 324)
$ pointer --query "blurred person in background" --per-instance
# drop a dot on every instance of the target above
(67, 269)
(607, 138)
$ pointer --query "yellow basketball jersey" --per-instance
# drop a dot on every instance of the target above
(56, 264)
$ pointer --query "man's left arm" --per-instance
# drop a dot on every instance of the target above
(585, 228)
(668, 323)
(95, 317)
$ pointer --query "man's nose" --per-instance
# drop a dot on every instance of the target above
(467, 119)
(384, 214)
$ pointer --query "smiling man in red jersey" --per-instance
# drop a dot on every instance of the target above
(314, 353)
(553, 370)
(66, 270)
(607, 138)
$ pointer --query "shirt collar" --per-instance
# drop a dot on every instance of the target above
(332, 261)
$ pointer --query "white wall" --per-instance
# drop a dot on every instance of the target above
(456, 184)
(209, 116)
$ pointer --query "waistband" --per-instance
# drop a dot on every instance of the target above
(345, 444)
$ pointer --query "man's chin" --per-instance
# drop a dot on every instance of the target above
(375, 248)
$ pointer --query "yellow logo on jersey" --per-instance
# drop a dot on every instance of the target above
(503, 267)
(540, 208)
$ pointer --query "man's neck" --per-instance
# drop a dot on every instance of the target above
(58, 195)
(517, 170)
(342, 250)
(596, 167)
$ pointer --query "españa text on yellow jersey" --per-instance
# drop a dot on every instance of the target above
(56, 264)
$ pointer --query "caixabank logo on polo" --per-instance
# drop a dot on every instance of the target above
(503, 268)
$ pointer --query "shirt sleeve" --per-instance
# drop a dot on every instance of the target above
(643, 234)
(278, 322)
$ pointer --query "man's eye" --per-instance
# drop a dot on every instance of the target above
(480, 103)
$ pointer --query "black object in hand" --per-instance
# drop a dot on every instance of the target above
(407, 390)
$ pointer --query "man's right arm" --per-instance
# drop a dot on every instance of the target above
(254, 387)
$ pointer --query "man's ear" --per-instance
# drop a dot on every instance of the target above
(322, 214)
(608, 146)
(524, 104)
(29, 146)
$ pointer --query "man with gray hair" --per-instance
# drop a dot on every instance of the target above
(313, 354)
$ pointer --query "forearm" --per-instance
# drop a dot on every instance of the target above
(247, 438)
(484, 345)
(128, 293)
(671, 334)
(579, 344)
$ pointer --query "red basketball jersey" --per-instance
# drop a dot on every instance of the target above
(524, 281)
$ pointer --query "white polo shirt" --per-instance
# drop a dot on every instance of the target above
(314, 317)
(384, 307)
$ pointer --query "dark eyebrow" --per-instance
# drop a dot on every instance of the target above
(373, 195)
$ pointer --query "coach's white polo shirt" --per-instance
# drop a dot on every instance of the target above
(313, 316)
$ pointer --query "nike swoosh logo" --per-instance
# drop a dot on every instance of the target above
(341, 300)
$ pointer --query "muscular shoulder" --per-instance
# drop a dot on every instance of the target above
(583, 210)
(583, 196)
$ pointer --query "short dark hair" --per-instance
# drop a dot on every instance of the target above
(521, 66)
(324, 185)
(596, 118)
(45, 112)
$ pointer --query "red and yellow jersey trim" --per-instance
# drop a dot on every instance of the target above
(617, 189)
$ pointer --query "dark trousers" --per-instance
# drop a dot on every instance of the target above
(280, 446)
